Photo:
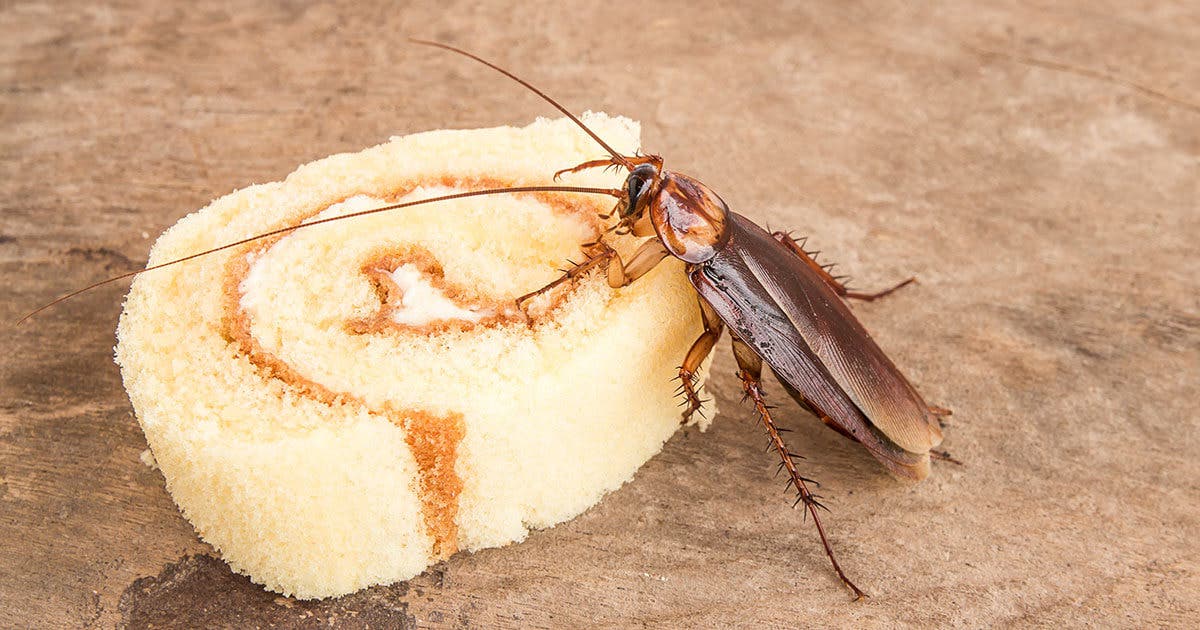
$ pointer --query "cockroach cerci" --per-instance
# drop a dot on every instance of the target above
(779, 304)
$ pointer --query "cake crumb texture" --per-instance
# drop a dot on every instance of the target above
(321, 442)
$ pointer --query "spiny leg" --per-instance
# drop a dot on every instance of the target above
(644, 258)
(750, 371)
(940, 413)
(871, 297)
(606, 162)
(834, 282)
(603, 253)
(713, 326)
(633, 160)
(619, 274)
(944, 456)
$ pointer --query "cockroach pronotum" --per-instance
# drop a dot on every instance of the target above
(779, 304)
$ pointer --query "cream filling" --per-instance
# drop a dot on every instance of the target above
(423, 303)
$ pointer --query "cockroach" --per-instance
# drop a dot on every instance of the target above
(778, 303)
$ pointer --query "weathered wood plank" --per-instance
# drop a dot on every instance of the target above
(1036, 167)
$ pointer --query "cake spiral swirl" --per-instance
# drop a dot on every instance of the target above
(345, 404)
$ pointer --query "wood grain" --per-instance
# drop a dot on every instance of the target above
(1037, 166)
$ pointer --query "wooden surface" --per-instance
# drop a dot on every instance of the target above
(1035, 165)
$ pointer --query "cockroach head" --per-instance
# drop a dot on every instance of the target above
(639, 187)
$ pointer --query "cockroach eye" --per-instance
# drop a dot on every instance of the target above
(635, 185)
(635, 190)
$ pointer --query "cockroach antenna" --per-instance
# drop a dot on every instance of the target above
(292, 228)
(617, 157)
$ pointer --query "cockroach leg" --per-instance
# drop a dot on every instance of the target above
(586, 165)
(713, 326)
(823, 271)
(943, 456)
(645, 258)
(941, 413)
(604, 253)
(750, 371)
(869, 297)
(821, 415)
(619, 274)
(628, 161)
(599, 240)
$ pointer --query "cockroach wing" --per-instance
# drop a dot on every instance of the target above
(776, 303)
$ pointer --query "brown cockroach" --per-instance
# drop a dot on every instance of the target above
(780, 305)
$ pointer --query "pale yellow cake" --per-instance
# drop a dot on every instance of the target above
(346, 404)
